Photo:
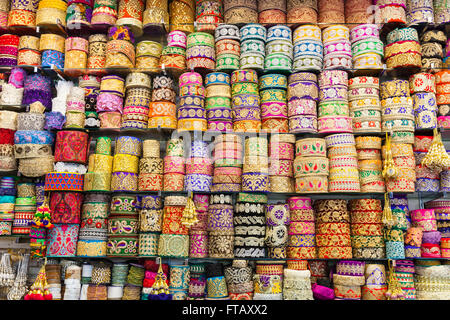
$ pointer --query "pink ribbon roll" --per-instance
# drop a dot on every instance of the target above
(109, 102)
(299, 203)
(174, 164)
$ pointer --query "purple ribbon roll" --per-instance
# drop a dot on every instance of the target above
(431, 237)
(220, 218)
(17, 77)
(220, 113)
(198, 244)
(109, 102)
(191, 113)
(337, 92)
(255, 182)
(199, 149)
(277, 214)
(246, 113)
(350, 268)
(124, 181)
(197, 182)
(8, 61)
(304, 123)
(303, 94)
(37, 88)
(427, 185)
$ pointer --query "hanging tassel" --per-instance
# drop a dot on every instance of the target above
(189, 217)
(42, 217)
(390, 171)
(394, 291)
(39, 289)
(160, 289)
(387, 219)
(437, 159)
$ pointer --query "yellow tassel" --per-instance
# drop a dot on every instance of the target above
(189, 217)
(160, 284)
(387, 219)
(437, 158)
(390, 171)
(394, 291)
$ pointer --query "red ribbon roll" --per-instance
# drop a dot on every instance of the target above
(66, 207)
(6, 136)
(71, 146)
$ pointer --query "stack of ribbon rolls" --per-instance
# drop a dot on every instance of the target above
(216, 286)
(302, 95)
(249, 225)
(279, 49)
(101, 277)
(240, 11)
(272, 12)
(276, 238)
(394, 241)
(358, 12)
(151, 167)
(443, 96)
(148, 54)
(367, 48)
(75, 56)
(182, 15)
(268, 280)
(150, 225)
(375, 285)
(79, 13)
(120, 51)
(364, 102)
(162, 111)
(126, 163)
(311, 166)
(110, 101)
(403, 48)
(52, 48)
(302, 238)
(255, 173)
(337, 52)
(130, 15)
(334, 113)
(136, 107)
(173, 56)
(134, 282)
(308, 49)
(32, 145)
(297, 285)
(91, 85)
(123, 227)
(441, 208)
(404, 272)
(433, 50)
(200, 52)
(228, 48)
(397, 115)
(418, 12)
(432, 282)
(208, 15)
(98, 176)
(274, 110)
(198, 233)
(427, 180)
(253, 39)
(51, 12)
(199, 168)
(156, 16)
(24, 210)
(239, 278)
(75, 108)
(7, 201)
(368, 150)
(348, 279)
(93, 231)
(344, 174)
(403, 158)
(220, 227)
(174, 169)
(104, 13)
(431, 237)
(9, 45)
(179, 281)
(192, 113)
(12, 92)
(367, 229)
(22, 14)
(299, 12)
(8, 126)
(332, 229)
(227, 159)
(174, 239)
(197, 281)
(245, 101)
(281, 159)
(53, 277)
(28, 51)
(72, 283)
(218, 102)
(423, 89)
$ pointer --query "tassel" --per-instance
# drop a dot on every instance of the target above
(387, 219)
(189, 217)
(394, 291)
(39, 289)
(42, 217)
(437, 158)
(390, 171)
(160, 287)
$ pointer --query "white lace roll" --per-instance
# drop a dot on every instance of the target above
(76, 94)
(267, 296)
(70, 167)
(59, 105)
(83, 293)
(434, 271)
(11, 96)
(297, 274)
